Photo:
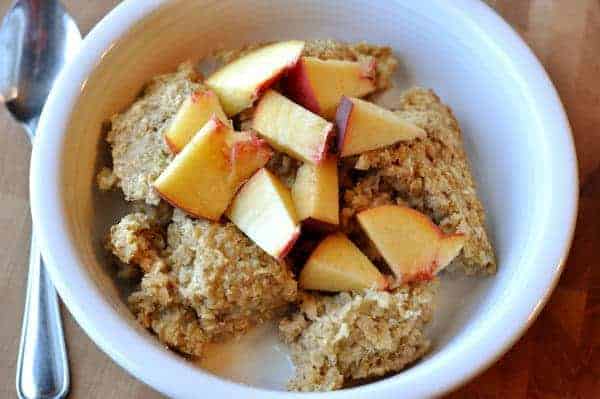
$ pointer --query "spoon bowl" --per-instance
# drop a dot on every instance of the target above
(37, 38)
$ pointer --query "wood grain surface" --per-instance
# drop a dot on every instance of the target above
(559, 357)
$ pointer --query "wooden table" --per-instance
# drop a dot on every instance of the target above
(559, 357)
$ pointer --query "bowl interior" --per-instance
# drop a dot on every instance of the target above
(467, 70)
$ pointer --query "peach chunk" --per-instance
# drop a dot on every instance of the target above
(264, 210)
(338, 265)
(364, 126)
(239, 83)
(291, 128)
(315, 193)
(412, 245)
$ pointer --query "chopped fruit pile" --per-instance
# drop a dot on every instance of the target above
(219, 171)
(206, 174)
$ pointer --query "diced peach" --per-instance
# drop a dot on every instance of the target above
(264, 210)
(315, 193)
(338, 265)
(364, 126)
(412, 245)
(239, 83)
(291, 128)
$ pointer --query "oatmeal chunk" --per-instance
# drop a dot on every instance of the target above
(217, 285)
(336, 340)
(230, 282)
(431, 175)
(158, 307)
(106, 179)
(137, 240)
(139, 152)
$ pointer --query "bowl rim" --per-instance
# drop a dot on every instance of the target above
(123, 345)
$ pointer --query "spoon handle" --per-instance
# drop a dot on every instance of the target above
(42, 367)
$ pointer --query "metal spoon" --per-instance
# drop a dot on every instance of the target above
(37, 37)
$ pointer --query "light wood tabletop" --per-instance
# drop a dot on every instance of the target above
(559, 357)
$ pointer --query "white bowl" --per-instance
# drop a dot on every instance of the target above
(516, 133)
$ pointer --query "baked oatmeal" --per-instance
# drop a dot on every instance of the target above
(337, 340)
(202, 278)
(137, 240)
(203, 281)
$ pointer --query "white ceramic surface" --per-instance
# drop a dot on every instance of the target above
(515, 130)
